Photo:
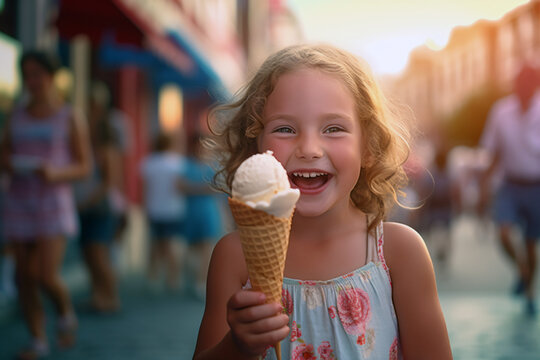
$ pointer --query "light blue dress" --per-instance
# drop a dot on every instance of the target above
(348, 317)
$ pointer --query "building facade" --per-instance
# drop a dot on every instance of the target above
(488, 53)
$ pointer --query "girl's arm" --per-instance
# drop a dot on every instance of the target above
(80, 150)
(236, 323)
(422, 328)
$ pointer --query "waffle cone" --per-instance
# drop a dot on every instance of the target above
(264, 239)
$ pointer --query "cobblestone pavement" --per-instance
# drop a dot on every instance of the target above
(483, 319)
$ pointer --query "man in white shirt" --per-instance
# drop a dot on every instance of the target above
(512, 136)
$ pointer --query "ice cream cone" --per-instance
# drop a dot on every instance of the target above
(265, 239)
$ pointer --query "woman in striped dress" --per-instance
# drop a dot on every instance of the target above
(45, 147)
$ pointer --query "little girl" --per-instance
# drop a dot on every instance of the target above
(355, 287)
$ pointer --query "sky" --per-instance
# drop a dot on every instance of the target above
(383, 32)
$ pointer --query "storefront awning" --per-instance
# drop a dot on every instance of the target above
(119, 29)
(194, 81)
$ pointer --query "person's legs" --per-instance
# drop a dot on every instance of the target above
(27, 275)
(507, 215)
(27, 280)
(169, 256)
(531, 267)
(104, 287)
(505, 236)
(51, 253)
(107, 277)
(530, 212)
(92, 273)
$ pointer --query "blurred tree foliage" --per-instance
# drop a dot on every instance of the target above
(465, 125)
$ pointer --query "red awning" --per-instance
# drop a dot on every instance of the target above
(100, 18)
(94, 19)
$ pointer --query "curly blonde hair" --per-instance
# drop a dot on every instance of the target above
(236, 125)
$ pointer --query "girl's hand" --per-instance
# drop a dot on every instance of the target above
(254, 324)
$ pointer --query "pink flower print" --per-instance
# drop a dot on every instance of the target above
(325, 351)
(287, 302)
(308, 282)
(295, 332)
(303, 352)
(354, 310)
(361, 340)
(332, 311)
(394, 350)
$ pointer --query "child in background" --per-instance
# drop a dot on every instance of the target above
(165, 207)
(204, 225)
(355, 287)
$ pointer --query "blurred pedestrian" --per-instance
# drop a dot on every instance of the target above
(512, 135)
(203, 226)
(45, 148)
(119, 125)
(165, 207)
(441, 192)
(96, 201)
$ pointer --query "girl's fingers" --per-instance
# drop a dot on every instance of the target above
(269, 324)
(268, 338)
(258, 312)
(245, 298)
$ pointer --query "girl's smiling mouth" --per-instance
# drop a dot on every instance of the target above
(309, 181)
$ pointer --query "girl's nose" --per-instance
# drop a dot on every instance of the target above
(309, 147)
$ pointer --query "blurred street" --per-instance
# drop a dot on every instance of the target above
(143, 76)
(484, 320)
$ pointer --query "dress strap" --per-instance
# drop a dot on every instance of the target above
(371, 248)
(379, 236)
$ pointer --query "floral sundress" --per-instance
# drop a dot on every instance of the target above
(348, 317)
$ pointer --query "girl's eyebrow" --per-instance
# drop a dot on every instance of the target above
(280, 116)
(327, 116)
(332, 116)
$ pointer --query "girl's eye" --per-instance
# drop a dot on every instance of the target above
(333, 129)
(284, 130)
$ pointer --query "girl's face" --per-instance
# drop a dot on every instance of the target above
(36, 79)
(311, 126)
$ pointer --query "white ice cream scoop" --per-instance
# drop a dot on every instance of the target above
(262, 183)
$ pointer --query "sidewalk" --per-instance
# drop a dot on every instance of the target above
(149, 326)
(484, 321)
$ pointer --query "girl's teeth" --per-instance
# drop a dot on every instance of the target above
(308, 175)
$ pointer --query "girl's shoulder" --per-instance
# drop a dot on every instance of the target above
(403, 246)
